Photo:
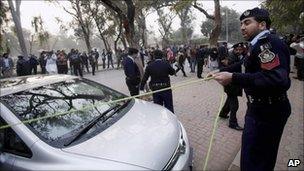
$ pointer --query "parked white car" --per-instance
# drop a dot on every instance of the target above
(129, 135)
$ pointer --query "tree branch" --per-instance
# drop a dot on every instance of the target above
(74, 15)
(203, 11)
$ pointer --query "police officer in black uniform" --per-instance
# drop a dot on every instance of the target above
(132, 72)
(200, 57)
(233, 91)
(265, 81)
(159, 71)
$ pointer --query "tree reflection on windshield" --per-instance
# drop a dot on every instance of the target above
(61, 97)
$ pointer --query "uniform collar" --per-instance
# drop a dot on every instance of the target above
(131, 58)
(256, 38)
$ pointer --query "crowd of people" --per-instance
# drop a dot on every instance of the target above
(59, 62)
(260, 66)
(196, 57)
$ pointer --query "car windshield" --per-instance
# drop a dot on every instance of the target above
(58, 98)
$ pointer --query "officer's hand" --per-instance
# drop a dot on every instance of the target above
(223, 78)
(211, 74)
(142, 92)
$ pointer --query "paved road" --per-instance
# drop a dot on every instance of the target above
(196, 106)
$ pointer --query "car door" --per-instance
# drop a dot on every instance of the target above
(6, 159)
(12, 148)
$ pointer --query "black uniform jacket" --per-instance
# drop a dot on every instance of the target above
(266, 68)
(159, 71)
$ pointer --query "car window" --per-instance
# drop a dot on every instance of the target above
(57, 98)
(12, 143)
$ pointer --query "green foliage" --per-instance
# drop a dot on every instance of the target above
(285, 15)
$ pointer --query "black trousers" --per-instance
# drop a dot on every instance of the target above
(110, 61)
(93, 68)
(164, 98)
(77, 70)
(231, 105)
(264, 125)
(34, 69)
(133, 87)
(43, 70)
(180, 67)
(300, 68)
(103, 64)
(62, 69)
(87, 66)
(200, 64)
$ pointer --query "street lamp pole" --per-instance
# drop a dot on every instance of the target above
(227, 37)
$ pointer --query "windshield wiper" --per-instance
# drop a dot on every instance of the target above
(116, 108)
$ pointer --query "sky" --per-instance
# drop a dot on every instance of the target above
(49, 11)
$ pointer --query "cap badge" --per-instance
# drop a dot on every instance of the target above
(246, 13)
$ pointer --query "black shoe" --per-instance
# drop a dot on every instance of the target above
(238, 128)
(224, 116)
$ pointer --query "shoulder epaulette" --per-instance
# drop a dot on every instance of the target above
(264, 39)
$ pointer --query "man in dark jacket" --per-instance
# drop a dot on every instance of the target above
(23, 66)
(265, 82)
(132, 72)
(200, 57)
(159, 71)
(33, 64)
(233, 91)
(222, 54)
(42, 62)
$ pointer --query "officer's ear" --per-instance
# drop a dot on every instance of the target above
(262, 25)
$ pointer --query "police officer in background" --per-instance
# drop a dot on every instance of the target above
(200, 57)
(159, 71)
(265, 81)
(233, 91)
(132, 72)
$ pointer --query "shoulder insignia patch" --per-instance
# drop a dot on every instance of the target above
(268, 59)
(266, 56)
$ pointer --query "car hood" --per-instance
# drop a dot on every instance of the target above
(146, 136)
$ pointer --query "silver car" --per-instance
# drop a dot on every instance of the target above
(97, 135)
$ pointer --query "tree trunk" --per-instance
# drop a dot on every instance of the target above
(85, 27)
(103, 39)
(128, 20)
(130, 31)
(16, 18)
(124, 42)
(184, 33)
(118, 36)
(144, 28)
(101, 35)
(215, 33)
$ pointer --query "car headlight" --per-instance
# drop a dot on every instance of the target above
(180, 149)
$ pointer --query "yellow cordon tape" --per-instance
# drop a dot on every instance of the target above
(136, 96)
(213, 131)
